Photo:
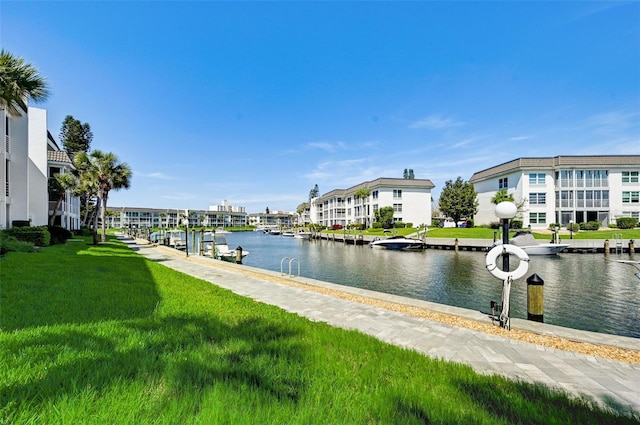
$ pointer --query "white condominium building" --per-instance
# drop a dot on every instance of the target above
(410, 199)
(563, 189)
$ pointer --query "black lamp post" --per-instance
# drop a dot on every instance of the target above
(505, 211)
(570, 229)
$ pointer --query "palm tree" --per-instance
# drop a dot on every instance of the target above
(104, 170)
(19, 82)
(59, 184)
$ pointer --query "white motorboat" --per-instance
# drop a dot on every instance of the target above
(176, 238)
(221, 250)
(400, 243)
(288, 234)
(531, 246)
(303, 235)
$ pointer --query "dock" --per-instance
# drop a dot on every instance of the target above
(576, 246)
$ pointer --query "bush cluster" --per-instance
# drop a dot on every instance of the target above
(516, 224)
(337, 227)
(11, 244)
(589, 225)
(37, 235)
(626, 222)
(575, 227)
(59, 235)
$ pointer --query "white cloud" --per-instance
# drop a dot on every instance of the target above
(435, 122)
(157, 175)
(328, 146)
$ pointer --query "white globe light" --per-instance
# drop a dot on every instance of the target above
(506, 209)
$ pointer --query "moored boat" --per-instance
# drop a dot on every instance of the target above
(531, 246)
(220, 249)
(400, 243)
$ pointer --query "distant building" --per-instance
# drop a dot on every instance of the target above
(410, 199)
(563, 189)
(273, 219)
(217, 216)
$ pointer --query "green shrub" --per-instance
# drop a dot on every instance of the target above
(38, 235)
(626, 222)
(58, 234)
(83, 231)
(11, 244)
(516, 224)
(495, 225)
(612, 225)
(408, 224)
(399, 225)
(376, 225)
(470, 223)
(552, 226)
(435, 222)
(590, 225)
(574, 227)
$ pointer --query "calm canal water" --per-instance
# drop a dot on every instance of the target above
(581, 291)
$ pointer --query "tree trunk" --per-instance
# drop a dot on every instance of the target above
(103, 210)
(52, 219)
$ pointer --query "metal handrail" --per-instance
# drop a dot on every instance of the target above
(291, 261)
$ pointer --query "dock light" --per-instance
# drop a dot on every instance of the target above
(570, 229)
(506, 210)
(186, 233)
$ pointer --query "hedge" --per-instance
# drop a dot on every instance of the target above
(626, 222)
(38, 235)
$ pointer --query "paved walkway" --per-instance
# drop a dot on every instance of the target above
(610, 383)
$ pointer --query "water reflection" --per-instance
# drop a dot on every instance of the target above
(580, 291)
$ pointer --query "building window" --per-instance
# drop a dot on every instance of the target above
(630, 197)
(503, 183)
(375, 207)
(374, 194)
(397, 208)
(537, 178)
(630, 177)
(538, 218)
(537, 198)
(397, 194)
(634, 214)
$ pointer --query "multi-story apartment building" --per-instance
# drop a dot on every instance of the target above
(563, 189)
(58, 161)
(26, 163)
(410, 199)
(273, 219)
(218, 216)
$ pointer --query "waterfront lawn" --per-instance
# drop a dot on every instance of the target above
(100, 335)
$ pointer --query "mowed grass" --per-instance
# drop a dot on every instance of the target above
(100, 335)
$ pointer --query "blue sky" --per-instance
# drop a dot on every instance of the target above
(257, 102)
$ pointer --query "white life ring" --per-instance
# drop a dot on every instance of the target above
(497, 251)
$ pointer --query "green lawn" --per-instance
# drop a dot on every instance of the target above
(100, 335)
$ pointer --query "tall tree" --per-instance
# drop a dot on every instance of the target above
(313, 193)
(502, 196)
(408, 174)
(104, 169)
(75, 136)
(458, 200)
(19, 82)
(384, 216)
(59, 184)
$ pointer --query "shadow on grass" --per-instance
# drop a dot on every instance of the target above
(182, 355)
(75, 283)
(530, 404)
